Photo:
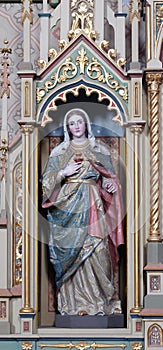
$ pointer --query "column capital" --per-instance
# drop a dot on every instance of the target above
(154, 79)
(136, 127)
(28, 127)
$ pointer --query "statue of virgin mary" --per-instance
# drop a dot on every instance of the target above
(83, 197)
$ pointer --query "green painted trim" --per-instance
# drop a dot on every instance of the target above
(95, 70)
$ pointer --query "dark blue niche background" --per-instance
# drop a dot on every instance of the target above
(101, 119)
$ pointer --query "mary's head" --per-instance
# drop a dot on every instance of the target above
(77, 123)
(71, 116)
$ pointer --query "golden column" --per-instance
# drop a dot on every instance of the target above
(26, 131)
(154, 80)
(136, 129)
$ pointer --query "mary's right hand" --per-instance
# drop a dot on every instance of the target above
(71, 169)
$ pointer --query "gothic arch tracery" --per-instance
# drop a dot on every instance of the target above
(112, 102)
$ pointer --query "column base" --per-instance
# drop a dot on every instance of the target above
(27, 310)
(135, 310)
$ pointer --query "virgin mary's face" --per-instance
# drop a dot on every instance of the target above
(77, 126)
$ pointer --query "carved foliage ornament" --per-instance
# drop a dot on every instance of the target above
(137, 346)
(27, 12)
(95, 71)
(135, 7)
(17, 225)
(75, 2)
(103, 45)
(82, 14)
(5, 83)
(3, 158)
(66, 71)
(154, 80)
(27, 345)
(17, 221)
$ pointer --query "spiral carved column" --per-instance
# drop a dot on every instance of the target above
(153, 81)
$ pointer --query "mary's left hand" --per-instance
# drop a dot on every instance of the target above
(110, 186)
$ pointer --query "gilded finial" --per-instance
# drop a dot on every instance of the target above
(5, 50)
